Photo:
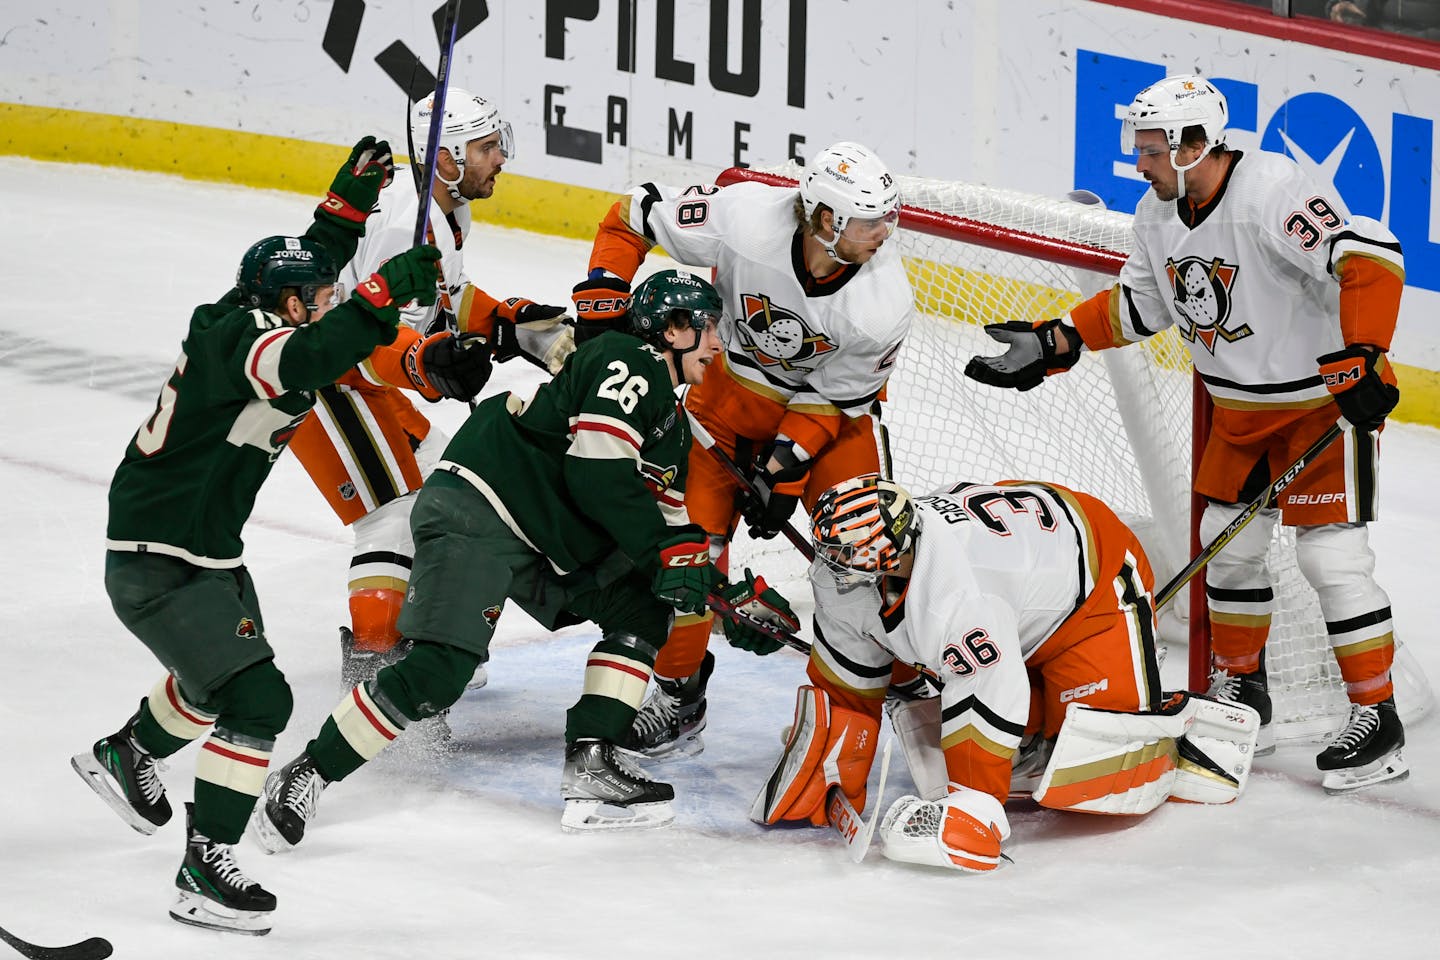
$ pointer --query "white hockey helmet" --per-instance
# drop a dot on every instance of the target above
(1171, 105)
(467, 117)
(854, 183)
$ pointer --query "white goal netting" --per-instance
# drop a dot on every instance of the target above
(1118, 425)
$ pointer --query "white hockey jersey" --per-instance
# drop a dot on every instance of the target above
(997, 570)
(823, 345)
(1251, 284)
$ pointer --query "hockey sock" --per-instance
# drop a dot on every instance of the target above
(373, 613)
(167, 721)
(254, 707)
(615, 679)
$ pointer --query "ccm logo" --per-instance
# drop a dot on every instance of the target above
(697, 559)
(602, 305)
(1338, 378)
(1084, 690)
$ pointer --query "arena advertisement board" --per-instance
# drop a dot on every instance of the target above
(605, 93)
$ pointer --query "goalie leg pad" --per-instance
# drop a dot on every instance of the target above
(917, 726)
(1216, 751)
(962, 831)
(1110, 762)
(826, 746)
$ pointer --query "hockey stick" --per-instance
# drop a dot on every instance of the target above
(847, 821)
(437, 119)
(729, 466)
(729, 611)
(1267, 496)
(96, 948)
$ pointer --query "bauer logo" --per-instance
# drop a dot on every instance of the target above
(1331, 133)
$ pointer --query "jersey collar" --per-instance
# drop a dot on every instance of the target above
(1193, 216)
(812, 286)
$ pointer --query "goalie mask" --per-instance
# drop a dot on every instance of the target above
(857, 187)
(275, 263)
(862, 528)
(1171, 105)
(467, 117)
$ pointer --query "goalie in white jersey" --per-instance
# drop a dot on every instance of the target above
(1288, 306)
(1029, 605)
(816, 307)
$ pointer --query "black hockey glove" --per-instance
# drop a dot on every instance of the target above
(1031, 355)
(410, 276)
(776, 493)
(518, 310)
(456, 366)
(686, 576)
(600, 305)
(758, 601)
(356, 188)
(1353, 378)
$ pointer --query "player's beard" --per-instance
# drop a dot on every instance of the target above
(1165, 191)
(856, 253)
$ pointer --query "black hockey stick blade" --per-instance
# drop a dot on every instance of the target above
(96, 948)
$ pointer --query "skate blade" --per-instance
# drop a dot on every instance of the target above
(93, 773)
(585, 815)
(1265, 741)
(478, 679)
(265, 834)
(1391, 769)
(197, 911)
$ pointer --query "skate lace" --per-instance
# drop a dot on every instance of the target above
(1225, 686)
(147, 775)
(657, 713)
(1362, 723)
(222, 860)
(303, 793)
(619, 761)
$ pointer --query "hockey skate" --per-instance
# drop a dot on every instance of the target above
(214, 892)
(1367, 751)
(290, 801)
(1252, 690)
(126, 778)
(603, 791)
(670, 720)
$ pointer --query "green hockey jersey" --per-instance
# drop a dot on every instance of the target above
(242, 385)
(595, 461)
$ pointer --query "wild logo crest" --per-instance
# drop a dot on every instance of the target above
(776, 336)
(246, 628)
(1202, 291)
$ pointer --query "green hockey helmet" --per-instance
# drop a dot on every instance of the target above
(663, 297)
(276, 263)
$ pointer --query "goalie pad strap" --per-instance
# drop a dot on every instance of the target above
(827, 746)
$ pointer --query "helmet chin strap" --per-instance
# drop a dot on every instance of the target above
(453, 185)
(829, 245)
(1180, 171)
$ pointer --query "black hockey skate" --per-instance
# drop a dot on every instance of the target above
(126, 778)
(670, 720)
(603, 790)
(292, 795)
(214, 891)
(1367, 751)
(1252, 690)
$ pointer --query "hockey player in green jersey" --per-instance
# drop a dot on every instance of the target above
(178, 502)
(571, 505)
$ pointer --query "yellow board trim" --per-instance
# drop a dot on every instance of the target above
(301, 166)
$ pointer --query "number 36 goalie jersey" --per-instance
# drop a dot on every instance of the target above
(1238, 277)
(821, 348)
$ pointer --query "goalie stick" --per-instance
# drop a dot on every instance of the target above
(848, 822)
(96, 948)
(1267, 496)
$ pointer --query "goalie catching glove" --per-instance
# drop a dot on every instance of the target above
(686, 577)
(1353, 378)
(826, 747)
(754, 598)
(963, 830)
(1032, 354)
(456, 366)
(356, 188)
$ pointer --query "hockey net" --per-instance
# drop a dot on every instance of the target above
(1120, 424)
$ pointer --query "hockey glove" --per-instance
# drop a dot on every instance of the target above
(456, 366)
(686, 575)
(410, 276)
(600, 304)
(518, 310)
(1352, 376)
(776, 492)
(756, 599)
(1032, 354)
(356, 188)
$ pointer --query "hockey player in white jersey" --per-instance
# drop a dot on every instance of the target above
(366, 446)
(1029, 605)
(1288, 306)
(816, 307)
